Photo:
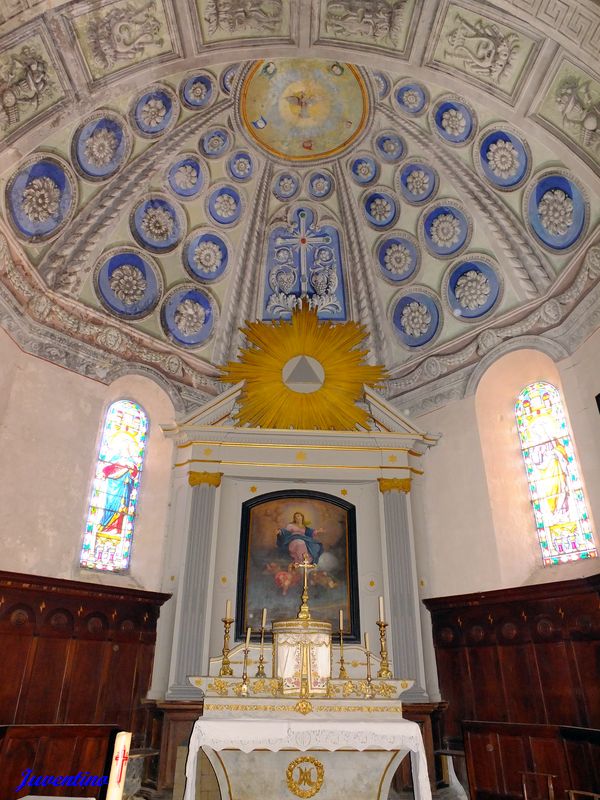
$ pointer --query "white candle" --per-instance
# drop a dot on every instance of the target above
(341, 620)
(264, 618)
(228, 610)
(248, 634)
(367, 642)
(381, 617)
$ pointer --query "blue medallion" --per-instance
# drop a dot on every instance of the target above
(364, 169)
(228, 77)
(304, 260)
(416, 317)
(398, 257)
(187, 176)
(382, 84)
(556, 210)
(472, 287)
(157, 224)
(411, 98)
(41, 197)
(100, 146)
(445, 230)
(154, 111)
(187, 315)
(128, 283)
(417, 182)
(224, 204)
(205, 255)
(319, 185)
(286, 185)
(197, 91)
(215, 142)
(454, 121)
(240, 165)
(380, 208)
(389, 146)
(504, 159)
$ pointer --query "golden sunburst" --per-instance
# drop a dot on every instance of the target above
(319, 359)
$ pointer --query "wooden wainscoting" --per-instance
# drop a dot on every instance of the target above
(499, 754)
(54, 750)
(75, 652)
(525, 655)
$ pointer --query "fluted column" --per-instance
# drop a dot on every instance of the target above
(406, 645)
(193, 588)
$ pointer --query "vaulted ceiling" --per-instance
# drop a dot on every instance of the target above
(170, 170)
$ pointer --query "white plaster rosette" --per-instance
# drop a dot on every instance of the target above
(207, 278)
(16, 204)
(452, 127)
(452, 204)
(182, 289)
(409, 291)
(580, 210)
(432, 187)
(501, 128)
(203, 168)
(230, 190)
(200, 103)
(106, 256)
(493, 266)
(402, 107)
(162, 128)
(117, 119)
(286, 177)
(316, 175)
(381, 270)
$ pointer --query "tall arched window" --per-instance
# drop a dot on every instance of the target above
(559, 507)
(111, 515)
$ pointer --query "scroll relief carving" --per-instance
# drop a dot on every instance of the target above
(123, 34)
(378, 20)
(235, 16)
(483, 50)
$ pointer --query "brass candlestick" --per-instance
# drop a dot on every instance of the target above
(260, 672)
(370, 692)
(226, 664)
(384, 669)
(244, 686)
(343, 674)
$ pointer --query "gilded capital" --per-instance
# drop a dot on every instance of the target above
(211, 478)
(391, 484)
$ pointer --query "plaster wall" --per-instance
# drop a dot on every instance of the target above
(50, 425)
(474, 527)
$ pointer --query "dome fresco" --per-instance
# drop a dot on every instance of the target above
(446, 197)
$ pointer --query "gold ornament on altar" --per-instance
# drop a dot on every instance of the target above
(305, 776)
(305, 373)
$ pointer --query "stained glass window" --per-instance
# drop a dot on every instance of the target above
(561, 517)
(111, 515)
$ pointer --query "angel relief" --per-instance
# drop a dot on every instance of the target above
(24, 83)
(281, 532)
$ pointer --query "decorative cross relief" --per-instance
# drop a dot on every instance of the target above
(304, 264)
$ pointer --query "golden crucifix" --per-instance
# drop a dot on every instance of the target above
(305, 564)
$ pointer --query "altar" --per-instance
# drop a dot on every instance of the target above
(295, 730)
(321, 757)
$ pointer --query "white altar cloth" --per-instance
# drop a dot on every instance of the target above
(359, 734)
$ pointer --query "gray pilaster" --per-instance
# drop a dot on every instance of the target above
(193, 593)
(406, 645)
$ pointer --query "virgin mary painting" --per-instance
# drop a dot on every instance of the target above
(279, 530)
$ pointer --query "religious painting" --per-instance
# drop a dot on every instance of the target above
(281, 529)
